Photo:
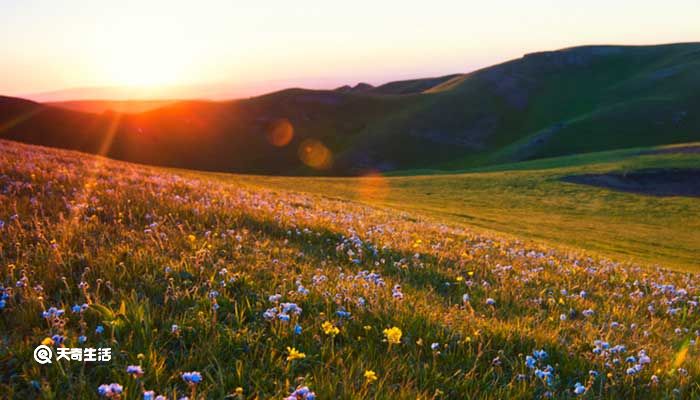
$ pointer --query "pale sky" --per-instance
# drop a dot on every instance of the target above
(263, 45)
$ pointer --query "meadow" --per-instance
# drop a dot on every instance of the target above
(222, 286)
(529, 201)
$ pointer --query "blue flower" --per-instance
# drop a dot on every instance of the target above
(490, 302)
(2, 304)
(291, 308)
(302, 393)
(135, 370)
(579, 388)
(275, 298)
(540, 354)
(192, 378)
(297, 329)
(99, 329)
(82, 339)
(110, 390)
(530, 362)
(103, 390)
(149, 395)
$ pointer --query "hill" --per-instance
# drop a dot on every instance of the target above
(575, 100)
(254, 291)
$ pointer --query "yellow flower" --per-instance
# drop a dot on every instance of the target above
(239, 390)
(47, 341)
(367, 328)
(393, 335)
(330, 329)
(370, 376)
(460, 279)
(191, 238)
(294, 354)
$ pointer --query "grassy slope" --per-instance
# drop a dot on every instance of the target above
(154, 245)
(527, 200)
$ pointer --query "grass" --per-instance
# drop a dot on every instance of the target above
(528, 201)
(190, 272)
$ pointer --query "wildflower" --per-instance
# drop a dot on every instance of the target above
(540, 354)
(301, 393)
(270, 313)
(99, 329)
(174, 329)
(530, 362)
(192, 378)
(275, 298)
(397, 293)
(113, 390)
(370, 376)
(47, 341)
(393, 335)
(297, 329)
(330, 329)
(82, 339)
(490, 302)
(283, 317)
(291, 308)
(149, 395)
(579, 389)
(294, 354)
(135, 370)
(435, 346)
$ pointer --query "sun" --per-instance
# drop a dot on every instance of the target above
(140, 62)
(139, 68)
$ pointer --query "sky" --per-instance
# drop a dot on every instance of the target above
(230, 48)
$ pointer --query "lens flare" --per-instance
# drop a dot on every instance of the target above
(315, 154)
(372, 186)
(280, 132)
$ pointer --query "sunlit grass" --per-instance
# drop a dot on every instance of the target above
(188, 273)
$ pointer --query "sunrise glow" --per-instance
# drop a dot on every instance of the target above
(241, 49)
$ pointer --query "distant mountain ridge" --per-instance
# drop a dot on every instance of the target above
(569, 101)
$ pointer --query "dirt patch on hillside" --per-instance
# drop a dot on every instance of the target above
(655, 182)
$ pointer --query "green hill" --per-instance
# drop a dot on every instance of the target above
(582, 99)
